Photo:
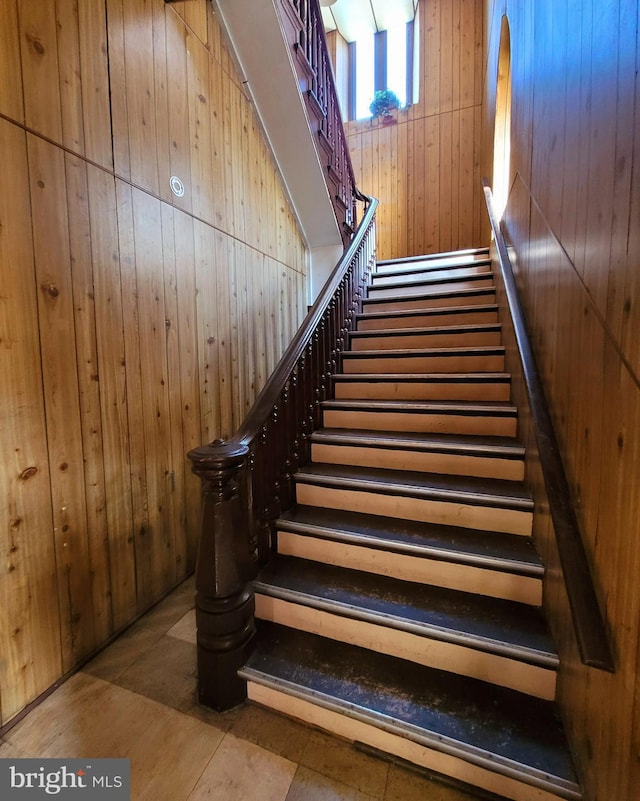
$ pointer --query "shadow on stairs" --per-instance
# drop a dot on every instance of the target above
(402, 607)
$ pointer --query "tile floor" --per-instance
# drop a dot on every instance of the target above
(137, 699)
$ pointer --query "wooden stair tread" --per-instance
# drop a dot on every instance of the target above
(434, 330)
(421, 407)
(502, 730)
(452, 311)
(459, 255)
(408, 268)
(464, 350)
(457, 294)
(493, 550)
(489, 624)
(404, 280)
(424, 377)
(470, 444)
(473, 491)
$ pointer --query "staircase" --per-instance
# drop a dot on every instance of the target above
(402, 606)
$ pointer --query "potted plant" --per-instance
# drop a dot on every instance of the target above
(383, 103)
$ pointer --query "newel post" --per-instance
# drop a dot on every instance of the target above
(224, 568)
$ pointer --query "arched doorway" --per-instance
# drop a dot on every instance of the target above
(502, 133)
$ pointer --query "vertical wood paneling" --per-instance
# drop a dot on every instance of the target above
(118, 78)
(62, 398)
(158, 538)
(178, 45)
(134, 325)
(110, 345)
(39, 52)
(94, 68)
(186, 389)
(208, 265)
(11, 97)
(29, 617)
(89, 394)
(200, 130)
(70, 75)
(435, 146)
(139, 86)
(572, 219)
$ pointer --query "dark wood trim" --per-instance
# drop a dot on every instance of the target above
(588, 620)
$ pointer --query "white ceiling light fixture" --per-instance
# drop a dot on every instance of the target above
(327, 3)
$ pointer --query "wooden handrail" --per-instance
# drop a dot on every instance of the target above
(267, 398)
(248, 480)
(588, 621)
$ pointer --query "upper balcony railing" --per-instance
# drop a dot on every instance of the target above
(302, 22)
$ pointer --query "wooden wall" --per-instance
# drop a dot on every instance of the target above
(573, 221)
(134, 324)
(425, 169)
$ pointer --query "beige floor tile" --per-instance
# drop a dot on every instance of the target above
(308, 785)
(111, 663)
(167, 763)
(143, 634)
(10, 751)
(185, 628)
(88, 717)
(71, 707)
(165, 673)
(341, 761)
(242, 771)
(272, 731)
(408, 785)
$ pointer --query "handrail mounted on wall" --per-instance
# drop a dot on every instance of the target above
(588, 622)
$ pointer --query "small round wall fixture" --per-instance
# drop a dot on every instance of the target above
(177, 187)
(327, 3)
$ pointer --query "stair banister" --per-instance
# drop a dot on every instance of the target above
(247, 480)
(305, 18)
(588, 621)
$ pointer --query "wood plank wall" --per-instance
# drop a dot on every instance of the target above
(573, 221)
(425, 169)
(134, 324)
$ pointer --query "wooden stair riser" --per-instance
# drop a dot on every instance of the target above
(426, 339)
(457, 464)
(427, 510)
(452, 657)
(429, 301)
(429, 758)
(454, 315)
(409, 288)
(426, 389)
(418, 274)
(426, 423)
(423, 362)
(419, 569)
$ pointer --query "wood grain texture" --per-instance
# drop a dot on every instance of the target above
(29, 619)
(572, 221)
(424, 170)
(134, 324)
